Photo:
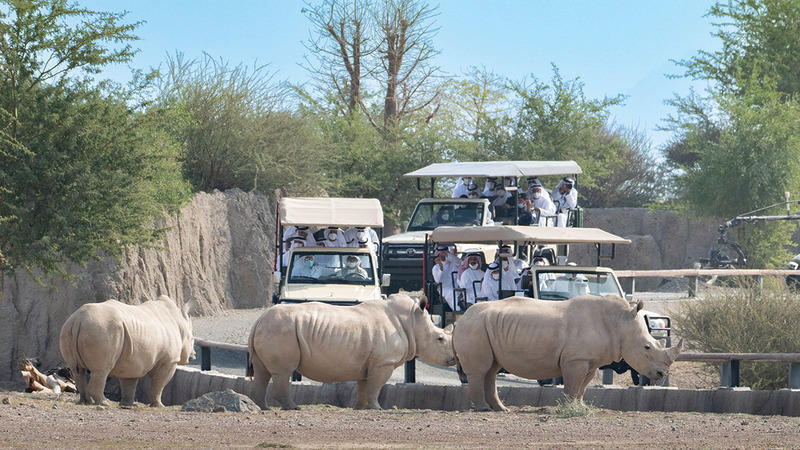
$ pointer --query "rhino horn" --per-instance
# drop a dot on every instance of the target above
(676, 350)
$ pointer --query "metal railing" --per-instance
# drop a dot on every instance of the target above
(694, 275)
(729, 369)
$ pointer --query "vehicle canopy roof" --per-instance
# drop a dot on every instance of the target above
(324, 212)
(517, 233)
(497, 169)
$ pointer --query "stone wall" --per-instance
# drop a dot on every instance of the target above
(218, 252)
(659, 240)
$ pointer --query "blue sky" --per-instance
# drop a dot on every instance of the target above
(615, 47)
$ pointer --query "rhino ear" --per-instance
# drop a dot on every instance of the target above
(636, 308)
(423, 302)
(188, 307)
(449, 328)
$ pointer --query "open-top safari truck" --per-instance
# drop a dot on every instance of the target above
(336, 275)
(402, 253)
(557, 281)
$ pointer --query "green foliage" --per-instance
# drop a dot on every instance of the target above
(235, 134)
(745, 319)
(759, 41)
(82, 168)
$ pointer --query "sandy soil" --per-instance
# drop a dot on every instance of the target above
(43, 421)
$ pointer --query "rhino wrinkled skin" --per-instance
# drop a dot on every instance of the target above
(328, 343)
(538, 339)
(112, 339)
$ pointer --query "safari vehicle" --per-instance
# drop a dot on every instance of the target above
(556, 282)
(328, 277)
(402, 253)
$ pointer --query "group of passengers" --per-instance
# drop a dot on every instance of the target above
(354, 237)
(463, 282)
(535, 204)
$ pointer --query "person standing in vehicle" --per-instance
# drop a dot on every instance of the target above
(362, 237)
(565, 197)
(444, 265)
(488, 189)
(539, 204)
(462, 187)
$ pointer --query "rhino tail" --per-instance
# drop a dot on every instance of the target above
(76, 353)
(127, 343)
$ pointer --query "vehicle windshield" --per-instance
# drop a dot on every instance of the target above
(428, 216)
(565, 285)
(331, 268)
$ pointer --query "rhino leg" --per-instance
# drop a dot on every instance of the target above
(361, 395)
(159, 377)
(128, 388)
(97, 383)
(490, 389)
(280, 390)
(81, 384)
(376, 379)
(258, 390)
(476, 388)
(575, 374)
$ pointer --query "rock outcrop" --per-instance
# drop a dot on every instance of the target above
(218, 251)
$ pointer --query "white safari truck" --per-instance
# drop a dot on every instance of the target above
(402, 253)
(556, 281)
(335, 275)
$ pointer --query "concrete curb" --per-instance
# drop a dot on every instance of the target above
(189, 383)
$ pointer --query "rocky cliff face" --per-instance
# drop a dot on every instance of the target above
(218, 252)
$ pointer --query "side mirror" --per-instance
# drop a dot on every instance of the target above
(276, 277)
(386, 280)
(405, 226)
(629, 297)
(561, 260)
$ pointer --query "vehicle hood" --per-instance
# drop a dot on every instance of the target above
(330, 292)
(410, 237)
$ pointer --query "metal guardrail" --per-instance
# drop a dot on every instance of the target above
(729, 372)
(694, 275)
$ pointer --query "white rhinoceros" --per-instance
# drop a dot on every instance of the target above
(112, 339)
(539, 339)
(328, 343)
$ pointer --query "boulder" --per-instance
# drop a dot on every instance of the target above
(221, 401)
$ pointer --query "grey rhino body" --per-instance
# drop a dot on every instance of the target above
(539, 339)
(327, 343)
(112, 339)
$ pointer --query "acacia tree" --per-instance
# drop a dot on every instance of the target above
(341, 39)
(386, 46)
(82, 168)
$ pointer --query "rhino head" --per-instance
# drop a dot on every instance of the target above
(187, 335)
(641, 351)
(430, 343)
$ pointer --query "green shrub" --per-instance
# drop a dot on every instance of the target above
(745, 319)
(566, 409)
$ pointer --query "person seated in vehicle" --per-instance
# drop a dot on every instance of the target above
(469, 272)
(565, 197)
(574, 284)
(363, 237)
(506, 257)
(445, 264)
(489, 187)
(444, 216)
(462, 187)
(545, 278)
(293, 242)
(352, 269)
(295, 231)
(306, 267)
(502, 202)
(491, 280)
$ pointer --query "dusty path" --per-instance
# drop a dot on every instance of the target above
(39, 421)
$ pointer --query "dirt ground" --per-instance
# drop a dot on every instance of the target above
(32, 421)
